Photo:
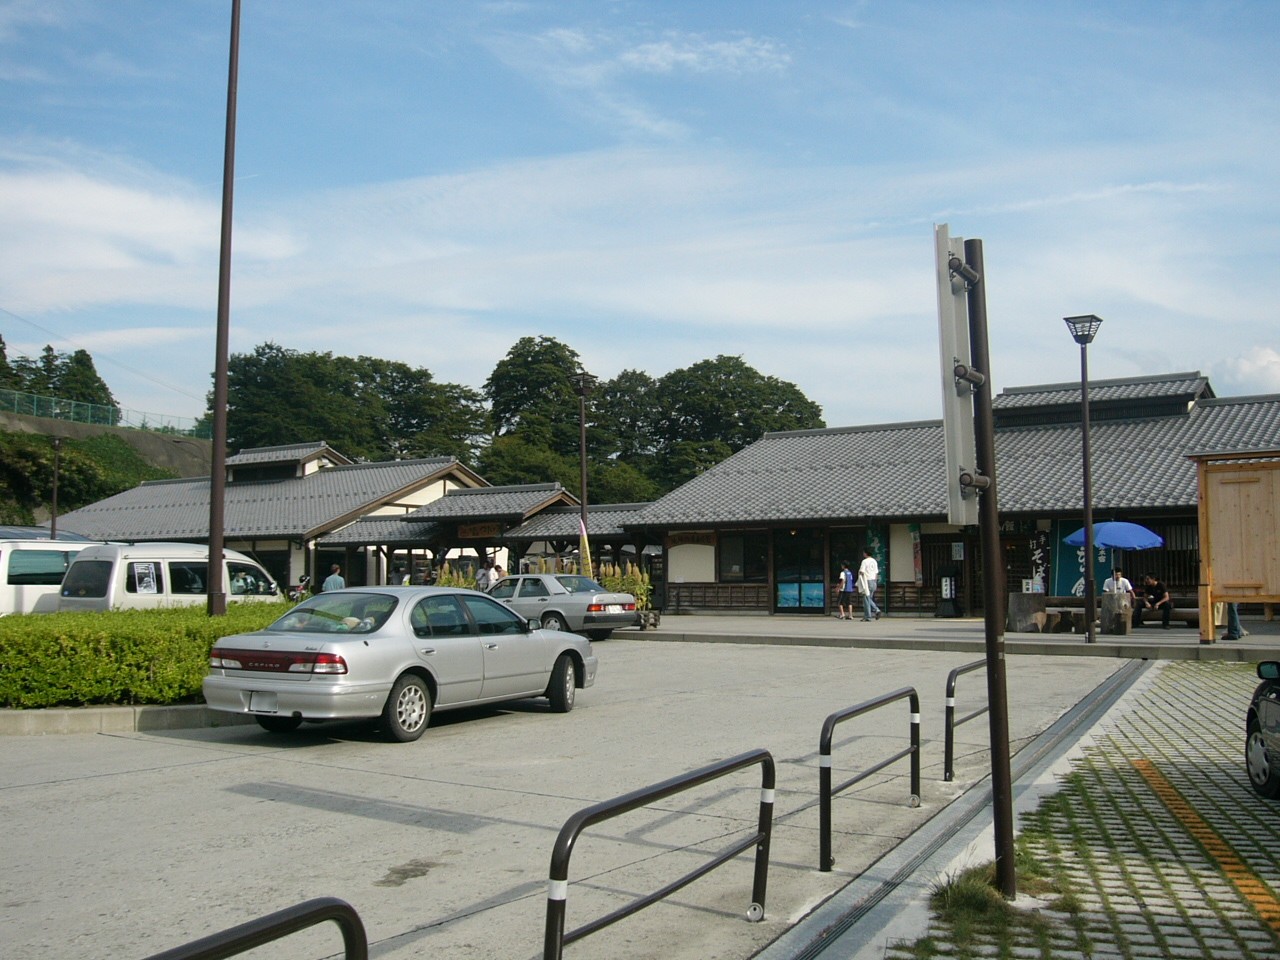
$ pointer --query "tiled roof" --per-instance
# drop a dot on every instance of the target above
(896, 471)
(511, 502)
(563, 523)
(296, 507)
(287, 453)
(1187, 386)
(388, 530)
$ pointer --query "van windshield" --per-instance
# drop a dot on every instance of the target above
(87, 578)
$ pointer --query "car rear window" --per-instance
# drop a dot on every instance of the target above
(87, 578)
(41, 568)
(579, 584)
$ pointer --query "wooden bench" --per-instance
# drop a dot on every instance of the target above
(1066, 614)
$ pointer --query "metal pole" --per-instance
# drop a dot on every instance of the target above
(1089, 596)
(582, 453)
(57, 465)
(218, 466)
(993, 579)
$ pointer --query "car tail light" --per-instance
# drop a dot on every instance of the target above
(272, 661)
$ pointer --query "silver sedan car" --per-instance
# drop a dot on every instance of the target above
(567, 601)
(394, 653)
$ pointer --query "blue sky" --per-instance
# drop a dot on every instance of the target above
(652, 183)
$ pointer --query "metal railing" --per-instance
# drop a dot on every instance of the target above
(950, 721)
(826, 791)
(78, 411)
(274, 926)
(558, 882)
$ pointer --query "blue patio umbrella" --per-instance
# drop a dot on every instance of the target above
(1118, 535)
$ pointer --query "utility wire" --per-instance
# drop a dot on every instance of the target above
(123, 366)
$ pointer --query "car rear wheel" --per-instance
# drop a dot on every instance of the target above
(1264, 773)
(554, 621)
(564, 684)
(408, 709)
(279, 724)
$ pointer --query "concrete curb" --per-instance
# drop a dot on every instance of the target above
(114, 719)
(1123, 651)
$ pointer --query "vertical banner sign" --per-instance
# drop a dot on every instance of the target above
(1040, 567)
(917, 557)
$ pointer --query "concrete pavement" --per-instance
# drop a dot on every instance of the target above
(442, 845)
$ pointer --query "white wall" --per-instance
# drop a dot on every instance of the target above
(691, 563)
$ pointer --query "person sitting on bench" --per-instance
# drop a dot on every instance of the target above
(1155, 598)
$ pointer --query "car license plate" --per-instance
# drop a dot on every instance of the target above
(613, 608)
(262, 702)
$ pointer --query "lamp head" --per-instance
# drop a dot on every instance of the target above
(1083, 329)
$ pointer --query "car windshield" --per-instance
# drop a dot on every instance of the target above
(346, 612)
(579, 584)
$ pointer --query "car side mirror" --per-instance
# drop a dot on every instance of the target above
(1269, 670)
(532, 624)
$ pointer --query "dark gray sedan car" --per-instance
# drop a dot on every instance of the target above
(567, 601)
(1262, 732)
(394, 654)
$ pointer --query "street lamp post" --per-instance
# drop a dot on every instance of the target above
(1083, 329)
(583, 383)
(57, 464)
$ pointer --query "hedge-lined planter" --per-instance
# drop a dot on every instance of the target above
(121, 657)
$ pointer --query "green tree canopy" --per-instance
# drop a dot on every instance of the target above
(77, 379)
(531, 393)
(8, 377)
(728, 401)
(364, 407)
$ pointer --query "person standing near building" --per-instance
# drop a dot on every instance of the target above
(868, 577)
(484, 576)
(334, 580)
(844, 599)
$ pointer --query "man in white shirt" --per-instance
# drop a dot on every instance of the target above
(868, 575)
(1118, 583)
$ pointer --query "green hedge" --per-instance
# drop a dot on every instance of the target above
(122, 657)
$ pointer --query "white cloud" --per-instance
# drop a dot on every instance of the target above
(697, 54)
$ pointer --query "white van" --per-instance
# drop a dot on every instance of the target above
(31, 573)
(143, 576)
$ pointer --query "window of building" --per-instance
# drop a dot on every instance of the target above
(743, 557)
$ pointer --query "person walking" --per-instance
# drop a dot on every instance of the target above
(868, 576)
(844, 598)
(334, 580)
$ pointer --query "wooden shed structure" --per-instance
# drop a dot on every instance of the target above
(1239, 515)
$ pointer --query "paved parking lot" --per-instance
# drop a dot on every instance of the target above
(127, 844)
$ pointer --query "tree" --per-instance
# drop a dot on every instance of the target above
(726, 400)
(9, 379)
(614, 481)
(622, 410)
(425, 418)
(716, 407)
(278, 396)
(514, 460)
(531, 393)
(364, 407)
(78, 380)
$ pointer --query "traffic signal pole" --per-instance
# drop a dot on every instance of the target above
(993, 574)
